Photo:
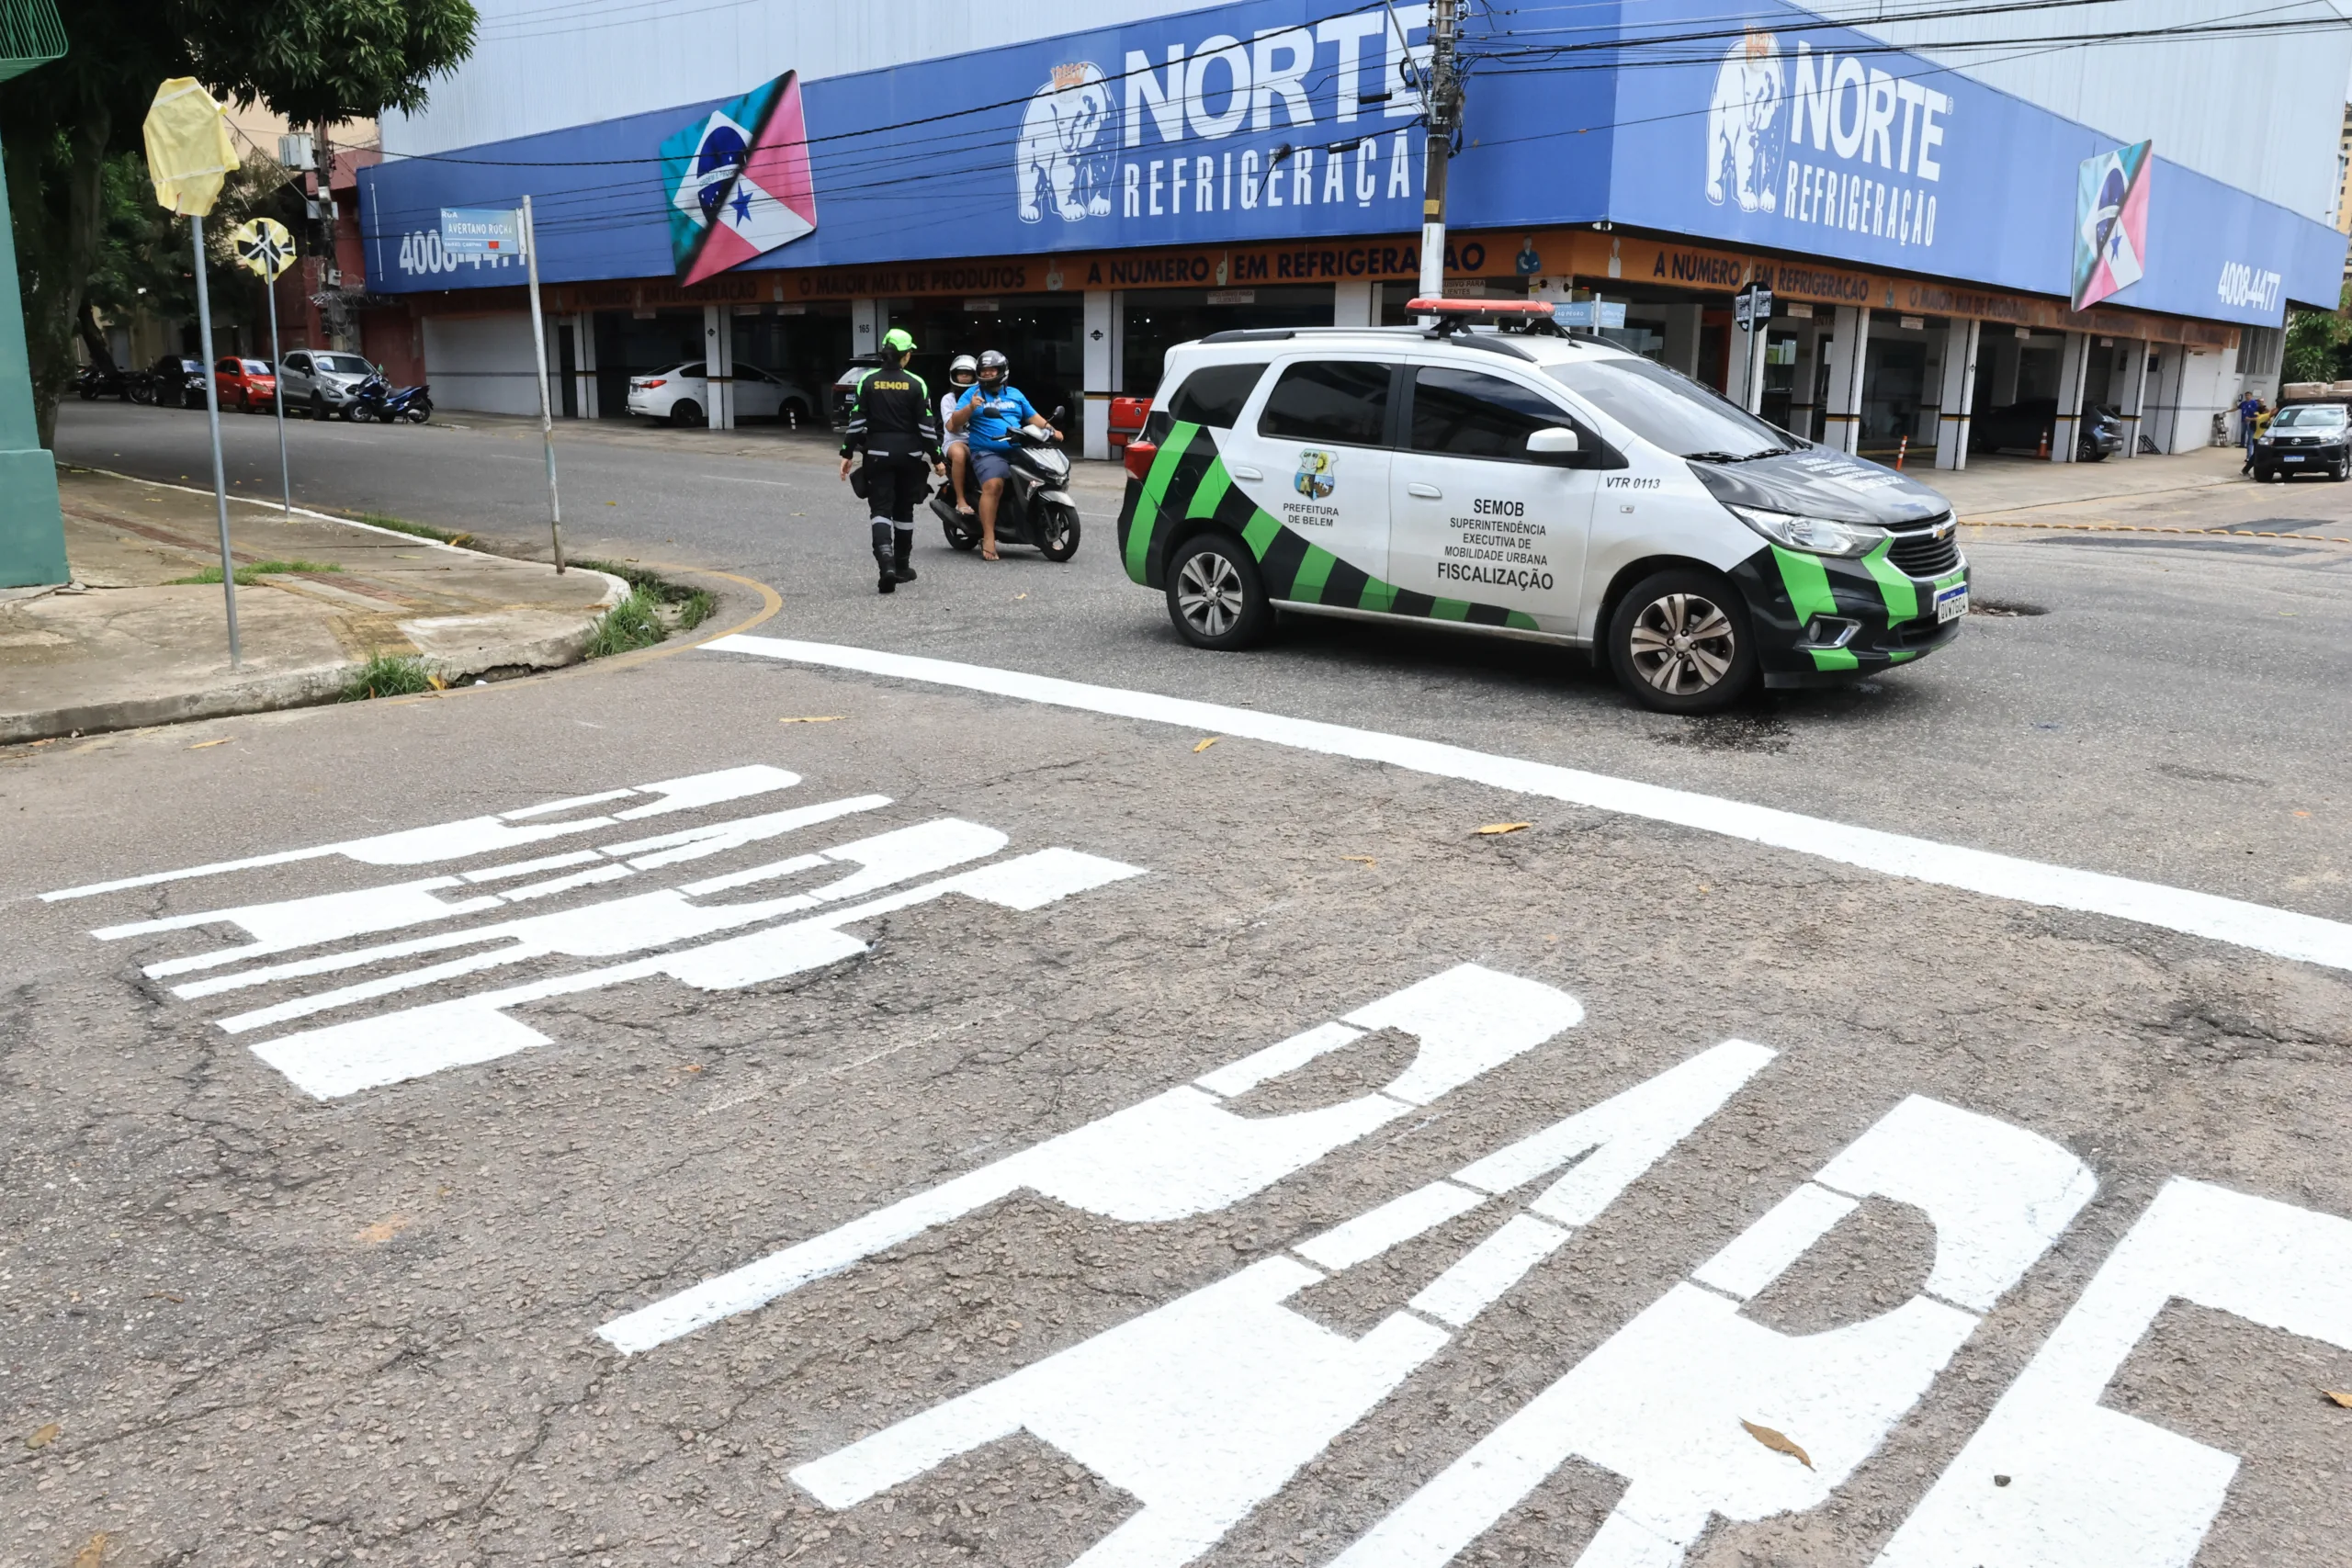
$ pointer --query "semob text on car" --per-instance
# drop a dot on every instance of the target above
(2304, 439)
(679, 395)
(321, 383)
(1527, 484)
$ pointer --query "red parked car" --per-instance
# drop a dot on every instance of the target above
(247, 384)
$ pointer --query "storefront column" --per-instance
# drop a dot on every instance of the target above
(1848, 352)
(2132, 384)
(1959, 387)
(2074, 366)
(1351, 304)
(1103, 356)
(866, 326)
(1805, 384)
(583, 363)
(1682, 323)
(718, 365)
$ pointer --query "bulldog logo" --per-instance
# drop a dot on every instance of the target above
(1063, 165)
(1314, 479)
(1746, 131)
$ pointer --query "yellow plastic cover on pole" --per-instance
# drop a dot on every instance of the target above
(189, 150)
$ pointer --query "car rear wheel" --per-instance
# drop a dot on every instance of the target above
(1214, 594)
(685, 413)
(1681, 643)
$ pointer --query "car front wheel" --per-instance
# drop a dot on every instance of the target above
(1214, 594)
(1681, 643)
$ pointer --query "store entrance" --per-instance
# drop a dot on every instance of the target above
(637, 344)
(1159, 318)
(804, 346)
(1042, 334)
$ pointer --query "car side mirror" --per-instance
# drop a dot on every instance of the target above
(1558, 442)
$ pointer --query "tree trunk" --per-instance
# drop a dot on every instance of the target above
(94, 342)
(59, 209)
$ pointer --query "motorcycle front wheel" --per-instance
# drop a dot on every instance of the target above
(363, 413)
(1058, 532)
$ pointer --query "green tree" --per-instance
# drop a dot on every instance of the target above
(2318, 344)
(63, 125)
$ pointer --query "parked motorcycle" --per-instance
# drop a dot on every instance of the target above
(1036, 508)
(378, 401)
(94, 381)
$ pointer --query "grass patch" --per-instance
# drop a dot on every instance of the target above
(420, 530)
(654, 608)
(389, 676)
(246, 574)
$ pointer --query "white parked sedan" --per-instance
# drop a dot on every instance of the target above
(680, 394)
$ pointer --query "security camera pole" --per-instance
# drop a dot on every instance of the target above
(1440, 89)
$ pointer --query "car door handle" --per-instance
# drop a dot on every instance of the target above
(1427, 492)
(1239, 472)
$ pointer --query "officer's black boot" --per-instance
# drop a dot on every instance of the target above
(899, 554)
(888, 580)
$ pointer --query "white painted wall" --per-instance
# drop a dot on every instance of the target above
(482, 362)
(538, 66)
(2262, 113)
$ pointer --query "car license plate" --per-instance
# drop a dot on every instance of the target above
(1951, 604)
(2292, 457)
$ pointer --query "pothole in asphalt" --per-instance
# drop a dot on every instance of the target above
(2004, 609)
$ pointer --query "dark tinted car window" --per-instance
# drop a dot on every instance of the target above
(1214, 395)
(1467, 413)
(1342, 402)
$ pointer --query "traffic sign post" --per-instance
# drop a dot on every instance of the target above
(263, 246)
(188, 156)
(1751, 308)
(540, 351)
(1751, 312)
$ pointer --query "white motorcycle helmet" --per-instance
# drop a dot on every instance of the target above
(964, 370)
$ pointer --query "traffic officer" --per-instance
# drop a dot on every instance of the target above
(893, 422)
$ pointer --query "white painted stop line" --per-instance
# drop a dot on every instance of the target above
(2281, 933)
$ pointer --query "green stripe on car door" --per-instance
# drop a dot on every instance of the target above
(1210, 490)
(1901, 594)
(1313, 571)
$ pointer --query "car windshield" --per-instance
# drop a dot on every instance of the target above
(1667, 409)
(2310, 415)
(342, 364)
(257, 367)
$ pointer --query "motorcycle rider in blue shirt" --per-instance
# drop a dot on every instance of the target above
(991, 412)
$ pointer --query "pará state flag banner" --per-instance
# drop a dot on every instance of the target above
(739, 181)
(2111, 222)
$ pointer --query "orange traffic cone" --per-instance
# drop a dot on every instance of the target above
(2044, 451)
(1901, 452)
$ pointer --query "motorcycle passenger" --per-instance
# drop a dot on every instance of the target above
(958, 470)
(991, 412)
(892, 422)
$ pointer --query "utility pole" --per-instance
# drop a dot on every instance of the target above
(1441, 112)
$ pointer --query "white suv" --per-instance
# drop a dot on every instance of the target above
(1529, 485)
(680, 394)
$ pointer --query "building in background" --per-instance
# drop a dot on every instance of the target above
(1084, 185)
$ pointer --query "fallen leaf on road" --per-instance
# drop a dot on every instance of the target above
(93, 1553)
(813, 718)
(1492, 829)
(2337, 1394)
(1361, 860)
(1778, 1442)
(202, 744)
(385, 1229)
(44, 1436)
(1205, 745)
(165, 1296)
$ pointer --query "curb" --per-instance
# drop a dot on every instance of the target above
(319, 684)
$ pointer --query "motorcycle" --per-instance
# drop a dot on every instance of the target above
(94, 381)
(1035, 509)
(378, 402)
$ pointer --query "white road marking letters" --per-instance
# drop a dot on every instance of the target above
(1661, 1401)
(1206, 1407)
(1175, 1155)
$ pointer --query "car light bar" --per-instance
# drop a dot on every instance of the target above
(1481, 307)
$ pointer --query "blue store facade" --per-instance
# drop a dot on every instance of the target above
(1083, 200)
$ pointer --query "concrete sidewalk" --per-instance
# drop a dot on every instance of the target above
(129, 644)
(1994, 485)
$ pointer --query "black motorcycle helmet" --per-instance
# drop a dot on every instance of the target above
(994, 368)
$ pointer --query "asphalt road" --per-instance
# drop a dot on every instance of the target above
(2176, 713)
(1625, 1188)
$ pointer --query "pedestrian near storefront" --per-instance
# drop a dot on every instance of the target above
(2250, 413)
(894, 424)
